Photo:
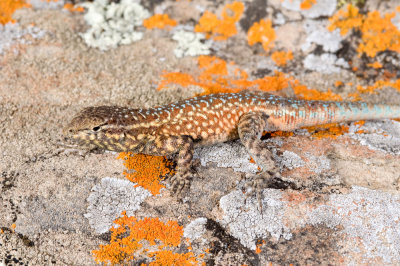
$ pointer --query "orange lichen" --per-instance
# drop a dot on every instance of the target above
(360, 123)
(167, 257)
(258, 246)
(218, 76)
(221, 29)
(311, 94)
(377, 33)
(254, 162)
(338, 83)
(379, 84)
(307, 4)
(281, 57)
(375, 64)
(159, 21)
(148, 170)
(262, 32)
(258, 249)
(119, 249)
(328, 130)
(152, 229)
(320, 131)
(281, 134)
(346, 20)
(7, 8)
(212, 66)
(128, 234)
(72, 8)
(355, 96)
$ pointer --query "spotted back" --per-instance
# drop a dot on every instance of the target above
(208, 119)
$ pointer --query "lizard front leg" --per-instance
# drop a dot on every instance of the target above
(183, 145)
(250, 128)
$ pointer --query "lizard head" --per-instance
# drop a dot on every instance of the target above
(102, 127)
(88, 121)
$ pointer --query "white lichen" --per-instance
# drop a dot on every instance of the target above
(369, 220)
(379, 135)
(250, 225)
(232, 154)
(195, 229)
(319, 9)
(317, 33)
(113, 24)
(12, 33)
(317, 164)
(40, 4)
(396, 20)
(190, 44)
(325, 63)
(279, 19)
(290, 160)
(364, 219)
(109, 199)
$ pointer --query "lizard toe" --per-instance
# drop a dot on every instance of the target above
(180, 183)
(258, 184)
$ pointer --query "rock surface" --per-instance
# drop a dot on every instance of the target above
(338, 201)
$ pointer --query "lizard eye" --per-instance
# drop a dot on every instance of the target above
(96, 128)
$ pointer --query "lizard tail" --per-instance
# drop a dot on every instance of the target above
(325, 112)
(353, 111)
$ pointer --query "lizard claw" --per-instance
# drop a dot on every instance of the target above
(258, 184)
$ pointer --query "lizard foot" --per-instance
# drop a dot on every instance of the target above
(259, 183)
(180, 182)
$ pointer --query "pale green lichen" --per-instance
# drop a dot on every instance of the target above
(113, 24)
(190, 44)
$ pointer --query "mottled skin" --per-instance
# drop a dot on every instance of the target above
(206, 120)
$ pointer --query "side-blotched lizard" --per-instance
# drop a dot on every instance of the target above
(205, 120)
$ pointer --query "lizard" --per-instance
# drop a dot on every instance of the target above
(205, 120)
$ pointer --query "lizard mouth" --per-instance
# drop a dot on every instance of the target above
(72, 140)
(75, 143)
(68, 146)
(76, 138)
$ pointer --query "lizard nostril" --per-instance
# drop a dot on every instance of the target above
(96, 128)
(67, 131)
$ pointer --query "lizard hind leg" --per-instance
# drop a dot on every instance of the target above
(250, 128)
